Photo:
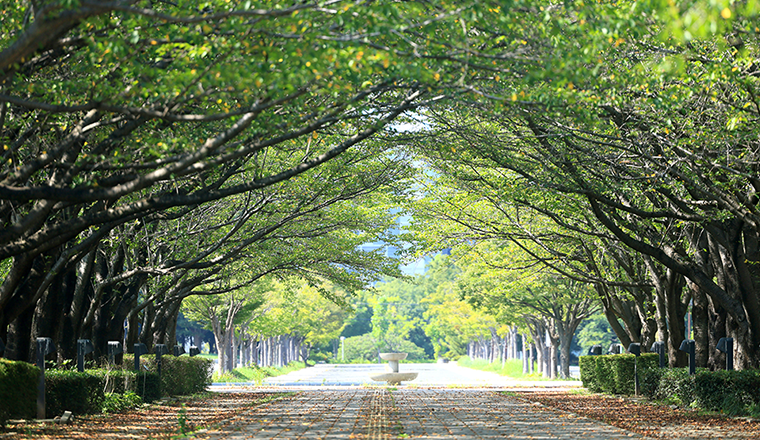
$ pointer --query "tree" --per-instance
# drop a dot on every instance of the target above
(223, 314)
(551, 306)
(643, 130)
(115, 118)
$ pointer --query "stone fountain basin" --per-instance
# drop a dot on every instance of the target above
(393, 356)
(393, 378)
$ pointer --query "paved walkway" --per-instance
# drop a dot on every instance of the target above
(386, 413)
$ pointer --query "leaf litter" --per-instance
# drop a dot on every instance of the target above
(156, 421)
(647, 418)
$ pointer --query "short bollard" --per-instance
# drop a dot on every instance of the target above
(688, 346)
(726, 345)
(194, 351)
(44, 347)
(140, 349)
(635, 349)
(84, 347)
(659, 348)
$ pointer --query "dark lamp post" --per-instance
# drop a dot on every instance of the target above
(140, 349)
(114, 348)
(44, 347)
(84, 346)
(726, 345)
(635, 349)
(659, 348)
(161, 350)
(688, 346)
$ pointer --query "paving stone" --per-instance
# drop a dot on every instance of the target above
(380, 413)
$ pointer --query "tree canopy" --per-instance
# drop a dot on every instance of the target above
(151, 149)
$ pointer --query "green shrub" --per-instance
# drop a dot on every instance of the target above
(115, 402)
(145, 384)
(115, 381)
(676, 386)
(588, 372)
(18, 390)
(732, 392)
(649, 379)
(80, 393)
(180, 375)
(614, 374)
(605, 375)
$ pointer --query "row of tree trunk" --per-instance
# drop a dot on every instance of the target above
(275, 351)
(541, 357)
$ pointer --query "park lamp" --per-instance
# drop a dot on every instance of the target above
(179, 350)
(596, 350)
(160, 350)
(194, 351)
(45, 346)
(84, 347)
(634, 348)
(659, 348)
(688, 346)
(140, 349)
(114, 348)
(614, 349)
(726, 345)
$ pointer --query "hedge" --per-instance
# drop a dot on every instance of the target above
(84, 393)
(65, 390)
(614, 373)
(145, 384)
(18, 390)
(180, 375)
(730, 392)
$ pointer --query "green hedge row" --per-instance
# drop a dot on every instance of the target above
(85, 393)
(180, 376)
(18, 390)
(730, 392)
(66, 390)
(614, 373)
(145, 384)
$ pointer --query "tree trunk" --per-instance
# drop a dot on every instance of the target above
(700, 326)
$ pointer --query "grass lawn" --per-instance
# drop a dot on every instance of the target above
(512, 368)
(256, 374)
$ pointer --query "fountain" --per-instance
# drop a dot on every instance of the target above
(394, 377)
